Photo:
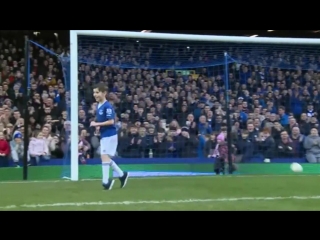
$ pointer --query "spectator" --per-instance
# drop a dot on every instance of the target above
(210, 145)
(204, 128)
(276, 131)
(292, 123)
(4, 151)
(56, 148)
(17, 149)
(173, 142)
(160, 143)
(304, 125)
(83, 147)
(189, 144)
(245, 147)
(38, 148)
(267, 145)
(46, 134)
(312, 146)
(285, 146)
(132, 145)
(221, 154)
(297, 142)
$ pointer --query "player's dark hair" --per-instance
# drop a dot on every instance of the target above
(101, 87)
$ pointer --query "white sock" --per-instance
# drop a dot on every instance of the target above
(115, 167)
(105, 172)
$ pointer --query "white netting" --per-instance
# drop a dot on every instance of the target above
(154, 54)
(155, 85)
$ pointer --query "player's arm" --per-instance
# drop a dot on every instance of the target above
(110, 116)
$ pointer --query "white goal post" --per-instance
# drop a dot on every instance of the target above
(143, 35)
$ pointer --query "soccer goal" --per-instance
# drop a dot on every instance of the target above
(144, 70)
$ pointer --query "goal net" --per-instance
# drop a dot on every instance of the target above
(170, 95)
(190, 105)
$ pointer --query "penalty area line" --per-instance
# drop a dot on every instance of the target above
(155, 202)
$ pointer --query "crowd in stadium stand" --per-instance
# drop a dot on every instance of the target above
(160, 114)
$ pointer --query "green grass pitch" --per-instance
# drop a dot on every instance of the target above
(291, 192)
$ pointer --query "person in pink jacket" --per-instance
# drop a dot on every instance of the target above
(38, 148)
(220, 154)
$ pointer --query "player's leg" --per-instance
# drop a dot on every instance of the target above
(107, 183)
(112, 149)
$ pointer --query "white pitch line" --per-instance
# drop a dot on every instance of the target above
(156, 202)
(164, 177)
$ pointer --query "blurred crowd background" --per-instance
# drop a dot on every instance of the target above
(161, 113)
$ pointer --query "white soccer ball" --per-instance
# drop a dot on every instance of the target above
(296, 167)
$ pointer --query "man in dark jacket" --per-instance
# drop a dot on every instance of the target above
(244, 146)
(267, 145)
(188, 144)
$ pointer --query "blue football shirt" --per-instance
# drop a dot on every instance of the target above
(105, 112)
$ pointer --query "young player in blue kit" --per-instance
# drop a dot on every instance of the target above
(105, 119)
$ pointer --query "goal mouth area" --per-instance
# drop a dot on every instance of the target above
(221, 51)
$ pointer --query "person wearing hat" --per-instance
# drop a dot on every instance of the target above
(17, 148)
(220, 154)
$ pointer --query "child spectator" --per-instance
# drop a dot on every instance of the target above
(38, 148)
(4, 151)
(17, 148)
(221, 154)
